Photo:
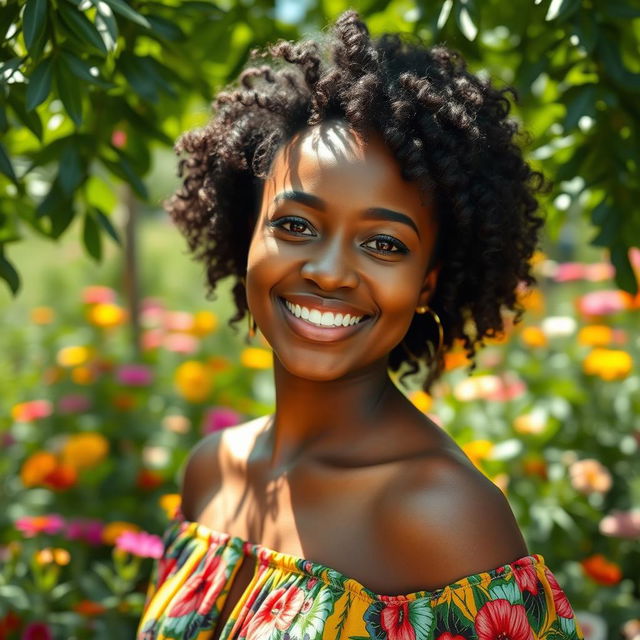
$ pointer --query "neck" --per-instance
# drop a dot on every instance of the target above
(315, 418)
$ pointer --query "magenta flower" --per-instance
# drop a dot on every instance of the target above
(74, 403)
(30, 526)
(140, 543)
(219, 418)
(134, 375)
(85, 529)
(37, 631)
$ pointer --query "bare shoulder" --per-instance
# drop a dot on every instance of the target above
(203, 471)
(443, 520)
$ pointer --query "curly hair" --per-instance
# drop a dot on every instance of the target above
(450, 132)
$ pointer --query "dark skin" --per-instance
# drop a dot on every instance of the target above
(346, 472)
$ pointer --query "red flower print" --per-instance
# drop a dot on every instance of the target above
(394, 619)
(526, 575)
(276, 612)
(201, 589)
(501, 620)
(449, 636)
(563, 607)
(165, 567)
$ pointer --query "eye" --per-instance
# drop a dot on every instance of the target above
(386, 244)
(294, 225)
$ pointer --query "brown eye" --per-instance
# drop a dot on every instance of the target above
(386, 244)
(294, 226)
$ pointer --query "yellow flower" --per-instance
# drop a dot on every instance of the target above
(256, 358)
(82, 375)
(37, 467)
(501, 480)
(112, 530)
(595, 335)
(530, 423)
(73, 356)
(204, 322)
(50, 555)
(478, 450)
(85, 450)
(169, 502)
(609, 364)
(421, 400)
(106, 315)
(42, 315)
(531, 299)
(193, 381)
(534, 337)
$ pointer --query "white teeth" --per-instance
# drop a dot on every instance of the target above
(322, 318)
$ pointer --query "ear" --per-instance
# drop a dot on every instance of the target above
(429, 285)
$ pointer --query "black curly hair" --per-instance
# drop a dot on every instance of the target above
(450, 132)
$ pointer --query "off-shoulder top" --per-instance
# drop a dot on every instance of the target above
(290, 598)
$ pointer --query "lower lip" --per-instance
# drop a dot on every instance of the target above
(319, 334)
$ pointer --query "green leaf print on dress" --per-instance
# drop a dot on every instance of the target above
(400, 620)
(316, 608)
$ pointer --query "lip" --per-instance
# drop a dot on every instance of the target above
(326, 304)
(319, 334)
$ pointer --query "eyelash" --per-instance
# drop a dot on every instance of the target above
(281, 222)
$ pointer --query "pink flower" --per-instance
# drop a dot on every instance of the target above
(119, 138)
(180, 343)
(74, 403)
(567, 271)
(178, 321)
(37, 631)
(134, 375)
(97, 294)
(219, 418)
(621, 524)
(140, 543)
(602, 303)
(32, 410)
(30, 526)
(152, 339)
(84, 529)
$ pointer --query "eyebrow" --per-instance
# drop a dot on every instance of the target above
(373, 213)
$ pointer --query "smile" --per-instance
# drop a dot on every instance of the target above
(319, 318)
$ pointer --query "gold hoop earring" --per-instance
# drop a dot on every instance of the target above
(252, 326)
(436, 317)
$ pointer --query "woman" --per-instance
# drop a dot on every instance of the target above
(372, 208)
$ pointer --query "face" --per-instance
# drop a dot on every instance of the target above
(339, 254)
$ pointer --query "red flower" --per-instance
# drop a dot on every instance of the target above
(449, 636)
(276, 612)
(394, 619)
(526, 576)
(498, 619)
(563, 607)
(201, 589)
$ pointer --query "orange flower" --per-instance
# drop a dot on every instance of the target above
(50, 555)
(608, 364)
(42, 315)
(256, 358)
(149, 479)
(85, 450)
(37, 467)
(218, 363)
(455, 359)
(595, 335)
(89, 608)
(193, 381)
(501, 480)
(204, 323)
(534, 337)
(599, 569)
(106, 315)
(531, 299)
(421, 400)
(590, 476)
(112, 530)
(478, 450)
(533, 422)
(83, 375)
(169, 502)
(124, 401)
(62, 477)
(535, 466)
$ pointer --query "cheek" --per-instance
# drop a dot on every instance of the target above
(263, 271)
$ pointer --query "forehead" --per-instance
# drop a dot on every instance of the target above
(334, 159)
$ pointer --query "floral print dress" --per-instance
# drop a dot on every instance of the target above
(290, 598)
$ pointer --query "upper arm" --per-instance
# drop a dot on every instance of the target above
(200, 475)
(448, 522)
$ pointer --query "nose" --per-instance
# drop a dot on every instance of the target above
(330, 266)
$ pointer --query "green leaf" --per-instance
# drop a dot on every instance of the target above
(444, 14)
(465, 20)
(5, 164)
(622, 10)
(625, 277)
(72, 168)
(105, 223)
(81, 26)
(140, 77)
(82, 70)
(165, 29)
(106, 25)
(579, 101)
(9, 274)
(39, 84)
(586, 28)
(123, 169)
(126, 11)
(69, 91)
(614, 66)
(34, 22)
(29, 119)
(91, 237)
(560, 9)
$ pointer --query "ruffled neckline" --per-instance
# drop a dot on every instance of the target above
(296, 564)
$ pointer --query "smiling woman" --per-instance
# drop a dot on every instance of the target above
(370, 201)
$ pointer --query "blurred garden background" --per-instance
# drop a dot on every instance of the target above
(113, 364)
